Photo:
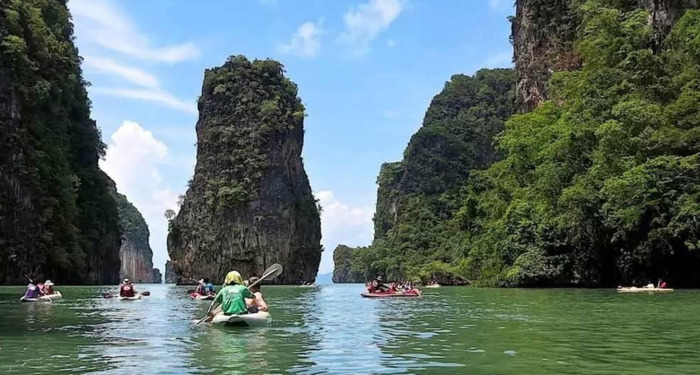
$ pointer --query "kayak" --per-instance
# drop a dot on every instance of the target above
(259, 319)
(412, 293)
(134, 298)
(644, 290)
(432, 286)
(46, 298)
(201, 297)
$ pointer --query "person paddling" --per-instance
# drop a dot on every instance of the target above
(258, 303)
(231, 298)
(33, 291)
(205, 288)
(127, 289)
(47, 289)
(378, 285)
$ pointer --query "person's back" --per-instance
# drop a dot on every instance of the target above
(208, 288)
(232, 299)
(32, 292)
(127, 289)
(257, 303)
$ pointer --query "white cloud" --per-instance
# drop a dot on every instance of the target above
(390, 43)
(364, 22)
(499, 60)
(133, 160)
(306, 41)
(113, 30)
(153, 95)
(133, 75)
(342, 224)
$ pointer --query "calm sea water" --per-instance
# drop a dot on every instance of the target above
(331, 329)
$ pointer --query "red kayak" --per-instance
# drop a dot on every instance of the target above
(411, 293)
(200, 296)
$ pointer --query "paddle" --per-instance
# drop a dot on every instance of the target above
(32, 281)
(270, 273)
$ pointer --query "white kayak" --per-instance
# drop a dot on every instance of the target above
(46, 298)
(134, 298)
(644, 290)
(431, 286)
(259, 319)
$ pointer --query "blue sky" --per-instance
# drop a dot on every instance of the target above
(366, 71)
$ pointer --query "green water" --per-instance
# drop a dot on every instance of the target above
(332, 330)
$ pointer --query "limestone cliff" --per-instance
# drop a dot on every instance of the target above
(342, 270)
(544, 31)
(249, 203)
(156, 276)
(58, 219)
(135, 252)
(170, 276)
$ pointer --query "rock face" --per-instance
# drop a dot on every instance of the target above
(170, 276)
(57, 216)
(135, 252)
(156, 276)
(342, 271)
(543, 35)
(416, 196)
(249, 203)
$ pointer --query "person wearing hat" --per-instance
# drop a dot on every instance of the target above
(231, 298)
(47, 288)
(378, 285)
(127, 289)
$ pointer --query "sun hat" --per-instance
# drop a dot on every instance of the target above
(48, 283)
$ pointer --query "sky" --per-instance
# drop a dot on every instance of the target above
(366, 70)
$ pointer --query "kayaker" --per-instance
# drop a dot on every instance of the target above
(257, 303)
(33, 292)
(231, 298)
(127, 289)
(663, 285)
(378, 285)
(47, 289)
(205, 288)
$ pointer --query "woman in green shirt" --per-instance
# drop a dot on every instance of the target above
(231, 298)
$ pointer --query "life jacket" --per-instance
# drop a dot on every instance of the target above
(126, 290)
(32, 292)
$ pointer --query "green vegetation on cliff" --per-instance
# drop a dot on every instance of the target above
(57, 217)
(249, 203)
(416, 197)
(598, 186)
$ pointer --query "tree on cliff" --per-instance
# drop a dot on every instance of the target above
(57, 217)
(598, 186)
(416, 197)
(601, 184)
(249, 203)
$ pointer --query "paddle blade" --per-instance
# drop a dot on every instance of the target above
(272, 272)
(146, 294)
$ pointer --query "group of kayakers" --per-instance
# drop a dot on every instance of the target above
(378, 286)
(35, 291)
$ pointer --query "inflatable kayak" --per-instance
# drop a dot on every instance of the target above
(644, 290)
(134, 298)
(201, 297)
(412, 293)
(259, 319)
(46, 298)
